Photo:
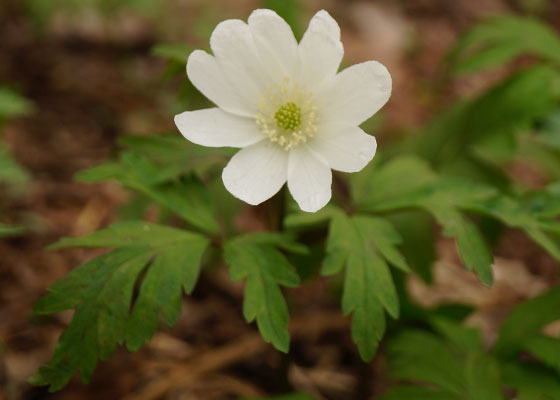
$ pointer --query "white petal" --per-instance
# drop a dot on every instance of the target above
(346, 149)
(309, 179)
(356, 93)
(207, 76)
(233, 45)
(320, 50)
(275, 43)
(216, 128)
(256, 173)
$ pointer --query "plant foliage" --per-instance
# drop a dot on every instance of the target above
(454, 176)
(158, 260)
(364, 246)
(12, 105)
(451, 362)
(256, 258)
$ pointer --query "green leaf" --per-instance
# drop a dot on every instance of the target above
(385, 238)
(13, 104)
(291, 396)
(515, 215)
(289, 10)
(501, 39)
(472, 248)
(392, 182)
(428, 191)
(439, 134)
(418, 393)
(8, 230)
(513, 104)
(283, 241)
(534, 153)
(129, 233)
(483, 378)
(531, 379)
(303, 220)
(442, 198)
(176, 52)
(173, 149)
(420, 356)
(175, 269)
(163, 261)
(364, 244)
(531, 395)
(176, 55)
(479, 131)
(102, 292)
(417, 227)
(131, 170)
(525, 321)
(153, 168)
(543, 203)
(460, 369)
(264, 268)
(465, 338)
(10, 171)
(186, 196)
(549, 132)
(367, 270)
(545, 348)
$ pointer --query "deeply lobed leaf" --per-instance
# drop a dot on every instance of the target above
(443, 198)
(101, 292)
(364, 245)
(455, 369)
(256, 259)
(455, 363)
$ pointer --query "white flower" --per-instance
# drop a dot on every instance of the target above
(285, 105)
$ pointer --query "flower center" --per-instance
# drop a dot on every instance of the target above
(287, 114)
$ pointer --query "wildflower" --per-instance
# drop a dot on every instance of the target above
(284, 104)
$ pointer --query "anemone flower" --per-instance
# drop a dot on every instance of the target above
(285, 105)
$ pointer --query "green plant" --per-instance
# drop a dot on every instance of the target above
(450, 361)
(12, 105)
(379, 226)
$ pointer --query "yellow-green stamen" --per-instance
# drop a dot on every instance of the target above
(287, 114)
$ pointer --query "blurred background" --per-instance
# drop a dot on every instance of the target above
(77, 75)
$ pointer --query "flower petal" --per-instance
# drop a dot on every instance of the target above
(207, 76)
(309, 179)
(256, 173)
(233, 45)
(320, 50)
(356, 93)
(216, 128)
(275, 43)
(346, 149)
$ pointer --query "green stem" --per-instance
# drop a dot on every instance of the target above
(275, 211)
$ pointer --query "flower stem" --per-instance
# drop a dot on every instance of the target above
(275, 211)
